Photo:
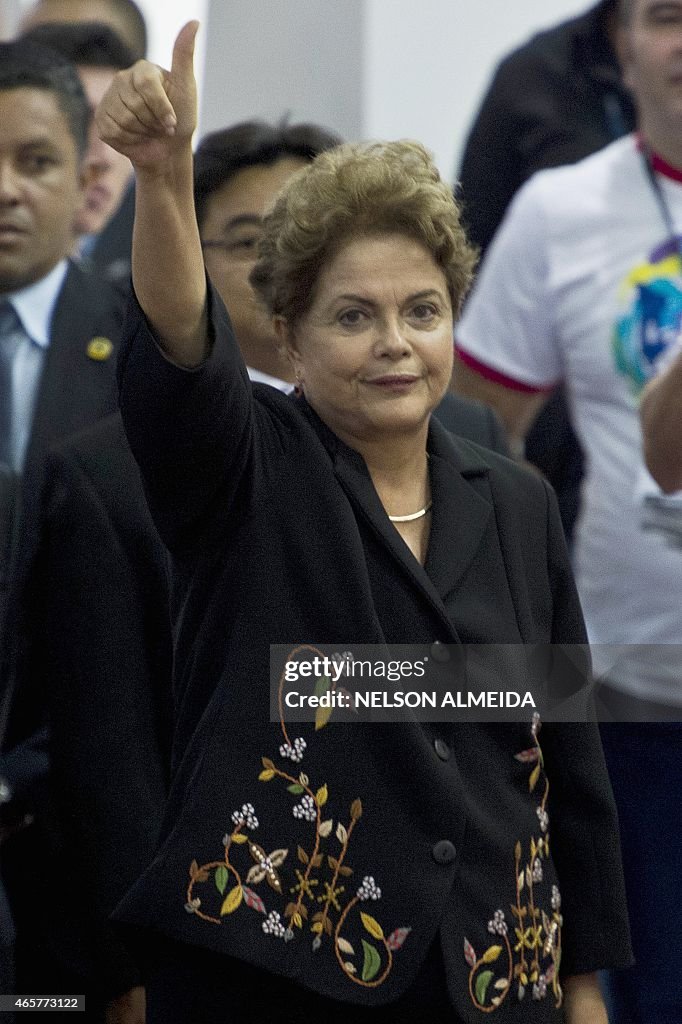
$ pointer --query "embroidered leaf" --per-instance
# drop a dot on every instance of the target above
(396, 938)
(322, 716)
(304, 912)
(341, 834)
(221, 877)
(529, 756)
(296, 789)
(266, 775)
(321, 686)
(302, 855)
(232, 901)
(524, 978)
(317, 860)
(318, 916)
(501, 984)
(469, 954)
(303, 779)
(517, 850)
(482, 982)
(345, 871)
(351, 968)
(326, 828)
(345, 947)
(317, 927)
(322, 795)
(253, 900)
(372, 926)
(521, 992)
(491, 954)
(256, 874)
(549, 974)
(372, 962)
(267, 763)
(327, 926)
(257, 852)
(521, 881)
(277, 857)
(534, 776)
(496, 1001)
(333, 863)
(201, 876)
(297, 920)
(239, 837)
(317, 942)
(193, 869)
(356, 809)
(289, 909)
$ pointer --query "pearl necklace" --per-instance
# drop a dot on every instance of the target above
(411, 518)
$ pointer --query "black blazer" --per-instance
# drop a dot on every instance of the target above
(278, 536)
(100, 657)
(76, 389)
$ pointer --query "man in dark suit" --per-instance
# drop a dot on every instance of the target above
(57, 343)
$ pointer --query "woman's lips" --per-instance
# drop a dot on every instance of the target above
(394, 382)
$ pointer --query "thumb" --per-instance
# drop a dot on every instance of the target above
(182, 66)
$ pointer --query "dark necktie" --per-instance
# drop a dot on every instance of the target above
(10, 338)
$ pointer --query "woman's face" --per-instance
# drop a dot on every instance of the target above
(374, 351)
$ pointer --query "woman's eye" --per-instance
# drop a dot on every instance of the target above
(424, 311)
(351, 317)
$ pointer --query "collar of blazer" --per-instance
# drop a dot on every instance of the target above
(462, 506)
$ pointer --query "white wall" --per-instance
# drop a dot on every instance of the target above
(428, 63)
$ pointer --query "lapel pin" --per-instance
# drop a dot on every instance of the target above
(99, 349)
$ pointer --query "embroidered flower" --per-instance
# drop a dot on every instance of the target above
(543, 818)
(537, 870)
(246, 816)
(556, 898)
(498, 925)
(272, 925)
(193, 905)
(540, 988)
(369, 890)
(306, 809)
(294, 751)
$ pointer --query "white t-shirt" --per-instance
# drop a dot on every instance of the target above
(582, 284)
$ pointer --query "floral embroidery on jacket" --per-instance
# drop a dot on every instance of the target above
(318, 893)
(532, 963)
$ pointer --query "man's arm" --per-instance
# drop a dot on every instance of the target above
(516, 408)
(661, 413)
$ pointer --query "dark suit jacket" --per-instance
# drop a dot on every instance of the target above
(278, 536)
(101, 653)
(76, 389)
(472, 420)
(110, 256)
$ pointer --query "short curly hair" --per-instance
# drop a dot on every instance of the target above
(351, 191)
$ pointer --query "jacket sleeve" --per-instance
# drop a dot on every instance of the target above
(190, 430)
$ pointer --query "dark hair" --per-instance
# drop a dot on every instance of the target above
(222, 154)
(136, 24)
(625, 11)
(88, 44)
(26, 65)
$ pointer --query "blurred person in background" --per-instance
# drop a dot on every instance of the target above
(123, 16)
(554, 100)
(582, 285)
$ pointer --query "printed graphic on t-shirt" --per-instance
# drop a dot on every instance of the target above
(651, 297)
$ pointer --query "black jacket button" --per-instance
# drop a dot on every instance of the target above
(444, 852)
(442, 749)
(439, 652)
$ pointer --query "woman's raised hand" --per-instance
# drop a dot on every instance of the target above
(150, 114)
